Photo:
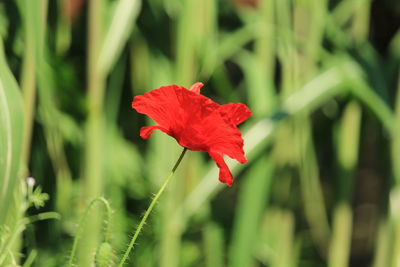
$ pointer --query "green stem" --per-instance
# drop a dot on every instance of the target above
(80, 226)
(93, 183)
(150, 208)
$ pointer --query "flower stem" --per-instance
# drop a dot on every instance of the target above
(150, 208)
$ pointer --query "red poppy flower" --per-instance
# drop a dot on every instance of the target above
(196, 122)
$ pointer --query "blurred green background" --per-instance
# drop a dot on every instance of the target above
(322, 185)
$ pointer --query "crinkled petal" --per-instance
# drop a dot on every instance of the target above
(174, 107)
(146, 132)
(223, 137)
(160, 105)
(225, 175)
(235, 113)
(196, 122)
(180, 112)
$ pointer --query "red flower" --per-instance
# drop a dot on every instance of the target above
(196, 122)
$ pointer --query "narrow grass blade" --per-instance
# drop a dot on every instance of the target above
(214, 245)
(122, 22)
(252, 201)
(11, 135)
(340, 244)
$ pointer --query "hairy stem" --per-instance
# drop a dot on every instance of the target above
(150, 208)
(81, 223)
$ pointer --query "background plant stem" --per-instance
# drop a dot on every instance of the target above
(93, 184)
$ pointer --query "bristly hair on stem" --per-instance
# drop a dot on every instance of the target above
(82, 221)
(150, 208)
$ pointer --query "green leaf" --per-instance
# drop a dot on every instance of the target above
(253, 196)
(11, 129)
(118, 32)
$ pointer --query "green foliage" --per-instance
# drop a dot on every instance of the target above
(321, 187)
(11, 137)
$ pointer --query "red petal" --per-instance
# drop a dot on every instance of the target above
(145, 132)
(179, 111)
(225, 175)
(196, 122)
(235, 113)
(159, 104)
(222, 137)
(195, 88)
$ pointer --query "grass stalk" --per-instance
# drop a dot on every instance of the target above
(93, 184)
(313, 199)
(382, 246)
(28, 82)
(395, 191)
(341, 237)
(213, 245)
(254, 194)
(348, 147)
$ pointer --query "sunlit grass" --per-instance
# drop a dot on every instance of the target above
(321, 187)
